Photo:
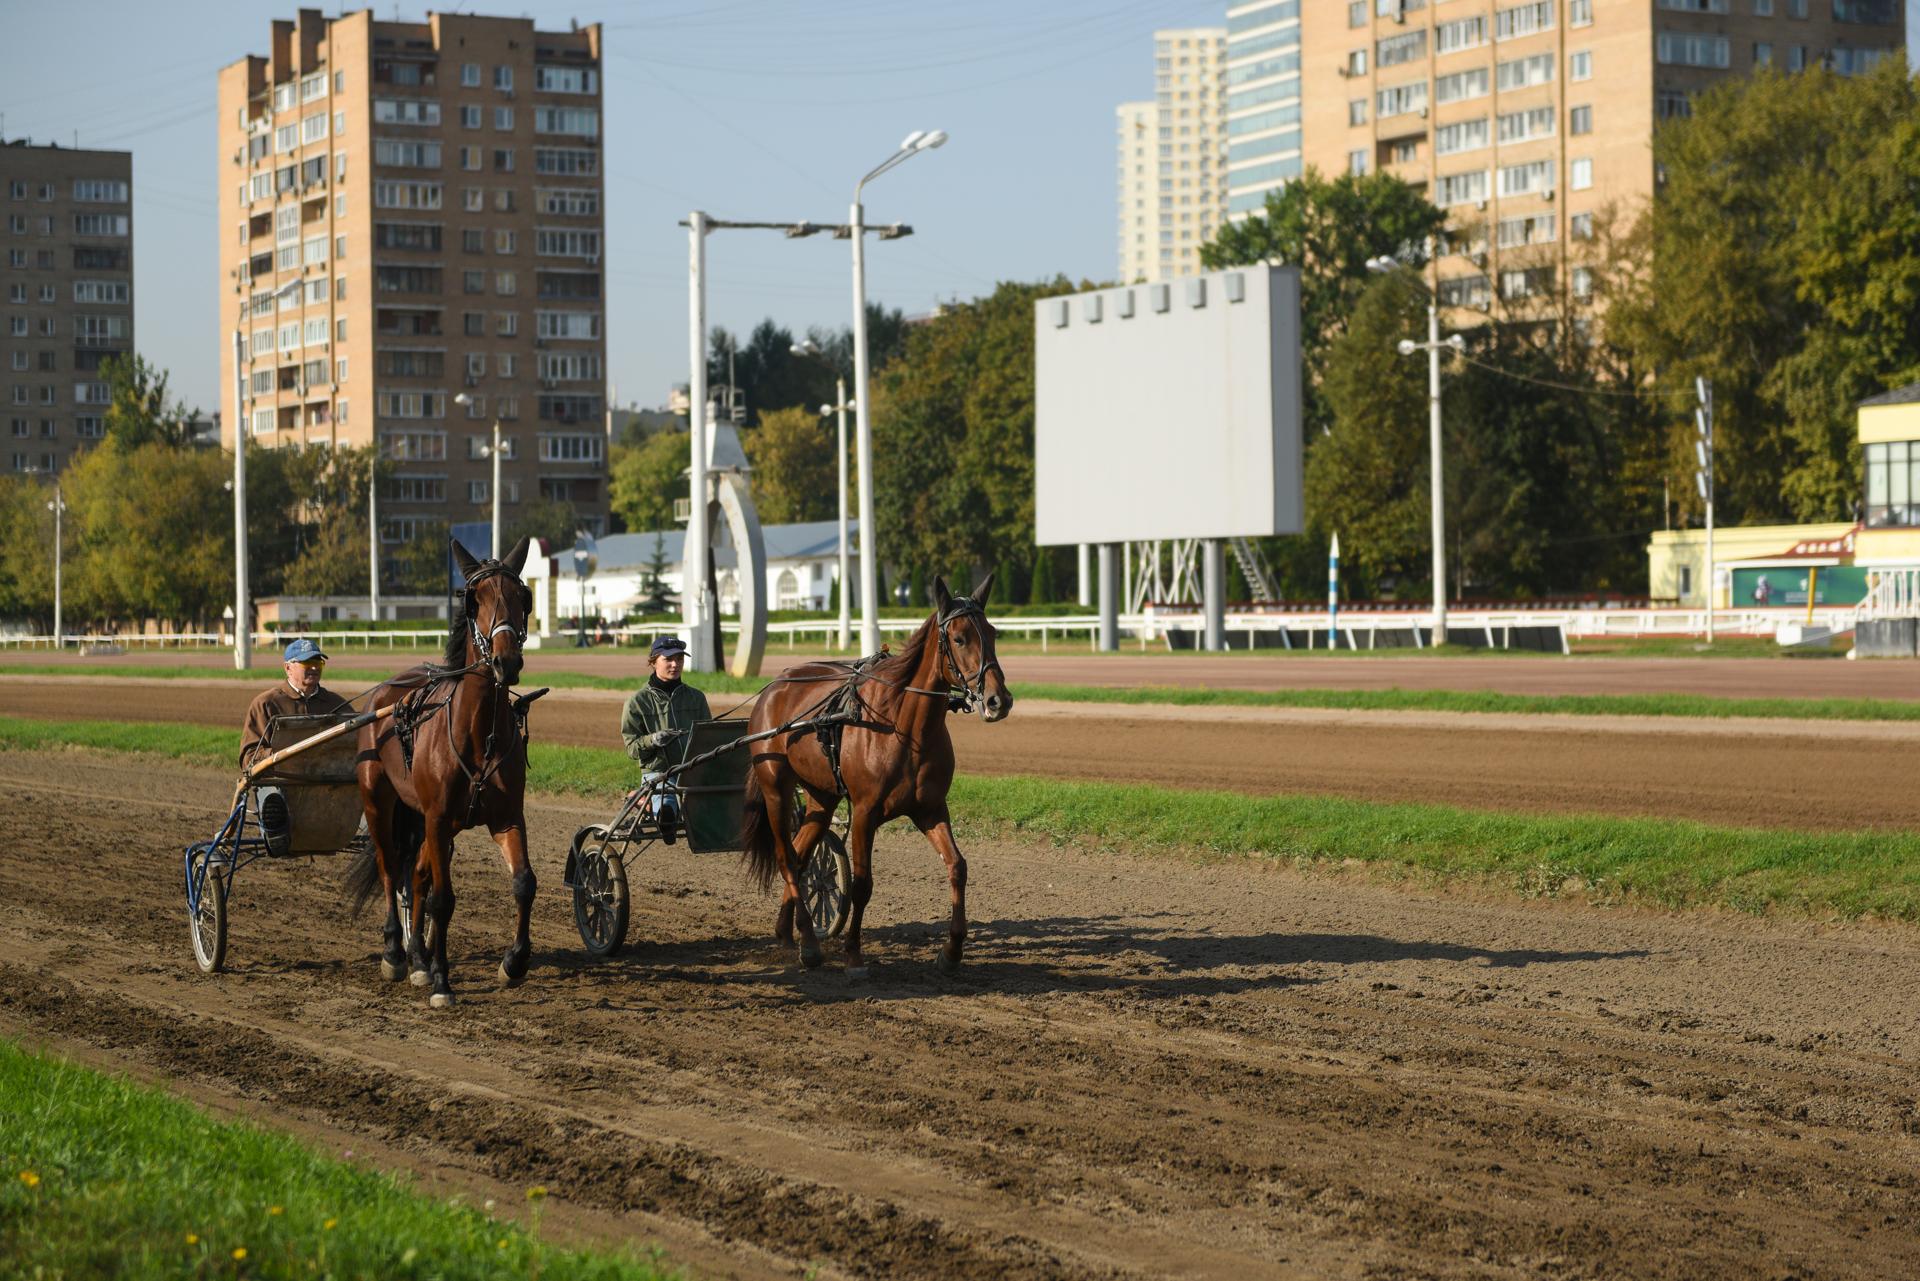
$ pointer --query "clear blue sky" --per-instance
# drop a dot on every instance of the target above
(748, 109)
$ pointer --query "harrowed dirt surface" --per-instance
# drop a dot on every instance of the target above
(1821, 776)
(1146, 1067)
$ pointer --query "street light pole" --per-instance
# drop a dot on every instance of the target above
(496, 490)
(694, 606)
(839, 408)
(59, 505)
(916, 142)
(373, 533)
(242, 627)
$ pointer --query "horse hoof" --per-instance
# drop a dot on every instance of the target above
(811, 957)
(855, 973)
(510, 978)
(390, 972)
(440, 1000)
(947, 961)
(419, 978)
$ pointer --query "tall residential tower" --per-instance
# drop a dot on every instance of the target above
(1263, 101)
(1172, 157)
(410, 211)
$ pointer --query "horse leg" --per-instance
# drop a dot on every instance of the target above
(513, 848)
(437, 853)
(804, 841)
(777, 802)
(937, 828)
(379, 812)
(860, 833)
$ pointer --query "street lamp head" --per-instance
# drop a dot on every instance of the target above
(1408, 346)
(930, 139)
(463, 399)
(1457, 343)
(1381, 263)
(825, 410)
(912, 140)
(806, 347)
(800, 229)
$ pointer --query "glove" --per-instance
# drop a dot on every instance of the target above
(662, 737)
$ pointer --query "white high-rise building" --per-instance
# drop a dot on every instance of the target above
(1172, 157)
(1262, 124)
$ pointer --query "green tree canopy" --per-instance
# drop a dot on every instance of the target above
(794, 475)
(643, 480)
(138, 410)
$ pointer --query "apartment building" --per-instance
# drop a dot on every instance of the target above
(1263, 101)
(1525, 121)
(69, 295)
(1172, 157)
(412, 212)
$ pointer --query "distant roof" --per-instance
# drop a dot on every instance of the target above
(783, 542)
(1906, 395)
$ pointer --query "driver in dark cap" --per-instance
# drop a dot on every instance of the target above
(300, 694)
(660, 714)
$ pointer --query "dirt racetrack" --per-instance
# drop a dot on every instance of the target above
(1146, 1067)
(1802, 774)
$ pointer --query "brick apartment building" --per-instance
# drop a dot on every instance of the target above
(409, 212)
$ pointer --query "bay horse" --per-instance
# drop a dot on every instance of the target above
(895, 760)
(452, 756)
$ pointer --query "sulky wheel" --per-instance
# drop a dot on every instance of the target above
(600, 896)
(829, 875)
(207, 921)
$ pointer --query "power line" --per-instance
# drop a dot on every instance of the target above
(1590, 391)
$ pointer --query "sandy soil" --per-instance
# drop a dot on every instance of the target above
(1145, 1068)
(1526, 674)
(1812, 775)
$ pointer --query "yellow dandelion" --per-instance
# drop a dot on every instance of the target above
(329, 1225)
(29, 1178)
(413, 1252)
(193, 1238)
(275, 1211)
(239, 1253)
(503, 1243)
(537, 1191)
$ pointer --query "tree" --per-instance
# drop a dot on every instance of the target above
(331, 555)
(794, 475)
(145, 545)
(1782, 260)
(644, 480)
(421, 566)
(550, 520)
(654, 585)
(138, 411)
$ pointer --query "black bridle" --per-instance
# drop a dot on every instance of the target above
(972, 689)
(483, 636)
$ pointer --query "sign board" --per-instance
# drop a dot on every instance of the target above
(1166, 411)
(1832, 585)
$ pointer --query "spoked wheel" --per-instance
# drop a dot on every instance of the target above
(829, 876)
(600, 895)
(207, 921)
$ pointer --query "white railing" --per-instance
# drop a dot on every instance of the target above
(1891, 593)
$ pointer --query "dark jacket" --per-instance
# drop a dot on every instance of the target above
(650, 710)
(282, 701)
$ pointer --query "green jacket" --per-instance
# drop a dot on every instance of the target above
(649, 711)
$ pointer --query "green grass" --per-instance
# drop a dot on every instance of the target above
(719, 684)
(349, 680)
(105, 1178)
(1664, 862)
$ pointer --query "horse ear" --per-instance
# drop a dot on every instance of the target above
(517, 557)
(942, 597)
(980, 592)
(464, 559)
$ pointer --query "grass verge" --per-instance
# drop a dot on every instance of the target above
(103, 1177)
(722, 685)
(1665, 862)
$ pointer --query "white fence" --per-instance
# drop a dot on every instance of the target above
(1891, 593)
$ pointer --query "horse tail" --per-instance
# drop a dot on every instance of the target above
(363, 878)
(756, 838)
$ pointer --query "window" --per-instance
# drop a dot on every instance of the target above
(1357, 63)
(473, 324)
(1796, 8)
(1763, 8)
(566, 80)
(1695, 6)
(503, 199)
(406, 111)
(566, 242)
(566, 160)
(340, 370)
(1531, 178)
(469, 117)
(570, 448)
(1580, 65)
(102, 291)
(1856, 62)
(1464, 33)
(1525, 283)
(290, 336)
(1580, 226)
(1394, 50)
(1461, 86)
(286, 137)
(1357, 111)
(506, 323)
(1582, 283)
(473, 282)
(411, 404)
(406, 153)
(1464, 291)
(1690, 49)
(503, 119)
(1464, 135)
(469, 75)
(1357, 13)
(1519, 126)
(503, 159)
(1580, 13)
(504, 282)
(582, 122)
(1357, 162)
(99, 190)
(1523, 20)
(314, 128)
(316, 332)
(1538, 229)
(1580, 174)
(1580, 121)
(1672, 104)
(94, 224)
(314, 251)
(1893, 484)
(1762, 54)
(581, 202)
(1459, 188)
(1797, 57)
(566, 324)
(1398, 100)
(262, 421)
(388, 194)
(1522, 72)
(503, 78)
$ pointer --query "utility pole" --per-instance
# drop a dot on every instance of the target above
(1703, 476)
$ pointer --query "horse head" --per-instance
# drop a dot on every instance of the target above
(496, 607)
(967, 649)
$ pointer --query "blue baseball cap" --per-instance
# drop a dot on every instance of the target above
(667, 645)
(304, 650)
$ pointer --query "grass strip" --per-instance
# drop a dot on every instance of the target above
(1670, 863)
(350, 680)
(102, 1177)
(1705, 706)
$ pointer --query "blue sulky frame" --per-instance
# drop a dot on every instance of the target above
(310, 760)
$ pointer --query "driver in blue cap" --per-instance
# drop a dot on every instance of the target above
(300, 694)
(660, 714)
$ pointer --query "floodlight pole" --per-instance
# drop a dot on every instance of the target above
(696, 608)
(845, 633)
(1439, 501)
(373, 534)
(242, 630)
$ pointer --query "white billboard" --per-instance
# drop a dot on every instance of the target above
(1169, 411)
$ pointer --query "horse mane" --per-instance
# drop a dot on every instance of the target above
(455, 654)
(901, 666)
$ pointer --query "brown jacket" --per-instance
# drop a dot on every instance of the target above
(282, 701)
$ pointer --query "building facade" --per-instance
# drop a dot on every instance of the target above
(1263, 101)
(1525, 122)
(1172, 158)
(411, 213)
(69, 296)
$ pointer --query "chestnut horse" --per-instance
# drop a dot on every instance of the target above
(895, 760)
(452, 756)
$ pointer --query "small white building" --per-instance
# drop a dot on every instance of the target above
(803, 561)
